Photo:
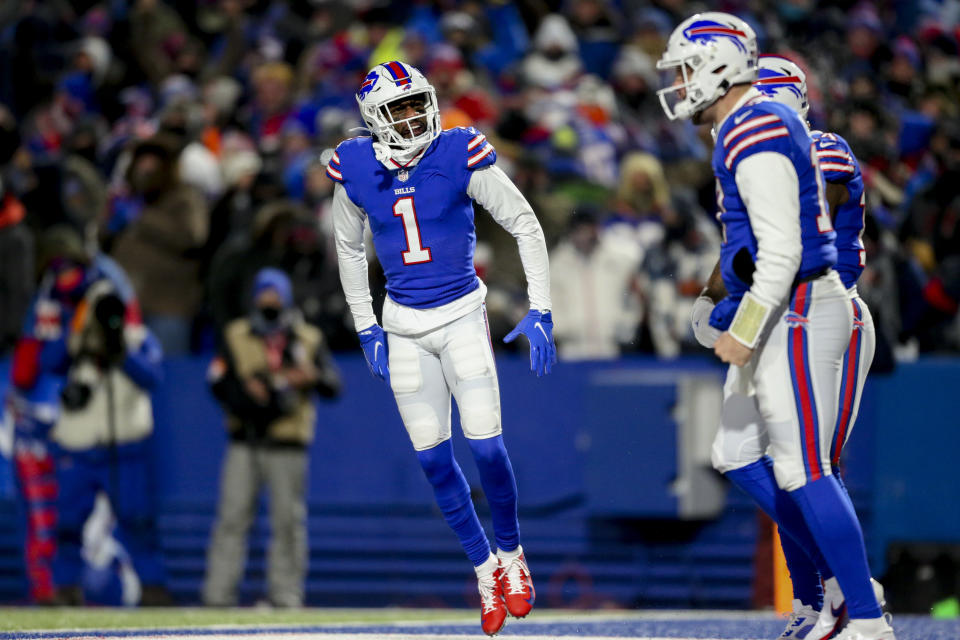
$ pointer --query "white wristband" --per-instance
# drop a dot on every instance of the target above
(748, 323)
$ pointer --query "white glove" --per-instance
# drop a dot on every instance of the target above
(700, 321)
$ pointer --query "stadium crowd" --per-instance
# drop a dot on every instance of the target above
(185, 140)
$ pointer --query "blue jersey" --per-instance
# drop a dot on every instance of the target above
(762, 125)
(840, 166)
(422, 217)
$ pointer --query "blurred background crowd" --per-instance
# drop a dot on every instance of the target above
(184, 140)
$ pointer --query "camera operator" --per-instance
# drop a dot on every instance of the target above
(272, 364)
(102, 438)
(65, 269)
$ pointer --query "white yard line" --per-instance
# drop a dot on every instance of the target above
(356, 636)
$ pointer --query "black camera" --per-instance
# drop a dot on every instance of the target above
(110, 313)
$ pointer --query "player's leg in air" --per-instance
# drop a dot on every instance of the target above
(425, 370)
(469, 369)
(423, 394)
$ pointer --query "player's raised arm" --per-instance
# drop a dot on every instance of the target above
(348, 226)
(492, 189)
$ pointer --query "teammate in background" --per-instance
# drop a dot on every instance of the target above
(816, 614)
(786, 320)
(415, 184)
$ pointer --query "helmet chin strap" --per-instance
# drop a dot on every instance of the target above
(391, 157)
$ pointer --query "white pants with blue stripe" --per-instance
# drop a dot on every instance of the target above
(454, 359)
(798, 397)
(853, 373)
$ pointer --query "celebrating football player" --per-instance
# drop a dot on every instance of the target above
(415, 185)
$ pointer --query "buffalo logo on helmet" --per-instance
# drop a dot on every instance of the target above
(368, 84)
(769, 82)
(706, 31)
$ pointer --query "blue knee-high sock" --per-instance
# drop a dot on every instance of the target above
(757, 480)
(453, 498)
(803, 573)
(834, 525)
(500, 486)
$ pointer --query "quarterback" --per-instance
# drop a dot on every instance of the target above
(415, 185)
(743, 439)
(786, 321)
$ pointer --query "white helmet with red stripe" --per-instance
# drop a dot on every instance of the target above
(394, 84)
(710, 52)
(784, 81)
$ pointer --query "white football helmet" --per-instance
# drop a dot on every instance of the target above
(712, 51)
(393, 81)
(782, 80)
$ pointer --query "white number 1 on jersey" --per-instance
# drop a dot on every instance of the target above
(416, 253)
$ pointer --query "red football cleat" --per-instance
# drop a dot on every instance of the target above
(493, 612)
(518, 591)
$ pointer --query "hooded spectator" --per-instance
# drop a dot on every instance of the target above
(592, 277)
(554, 62)
(160, 249)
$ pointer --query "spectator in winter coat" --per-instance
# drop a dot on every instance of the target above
(161, 248)
(265, 377)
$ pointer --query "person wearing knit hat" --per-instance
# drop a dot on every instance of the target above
(265, 377)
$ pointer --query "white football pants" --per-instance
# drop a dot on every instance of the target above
(785, 400)
(425, 369)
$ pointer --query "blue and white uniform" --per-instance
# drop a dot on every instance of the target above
(421, 218)
(793, 312)
(840, 166)
(785, 301)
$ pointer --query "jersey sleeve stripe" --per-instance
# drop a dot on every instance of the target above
(834, 154)
(477, 140)
(748, 125)
(480, 155)
(335, 158)
(779, 132)
(830, 166)
(333, 173)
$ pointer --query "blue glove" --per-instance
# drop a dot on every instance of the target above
(374, 343)
(723, 313)
(538, 327)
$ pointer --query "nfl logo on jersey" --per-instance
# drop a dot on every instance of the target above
(403, 175)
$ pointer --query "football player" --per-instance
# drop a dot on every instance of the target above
(816, 615)
(415, 185)
(786, 321)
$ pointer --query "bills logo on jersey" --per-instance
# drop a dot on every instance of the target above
(703, 31)
(368, 84)
(795, 320)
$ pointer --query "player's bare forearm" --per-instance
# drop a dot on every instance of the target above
(715, 289)
(837, 196)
